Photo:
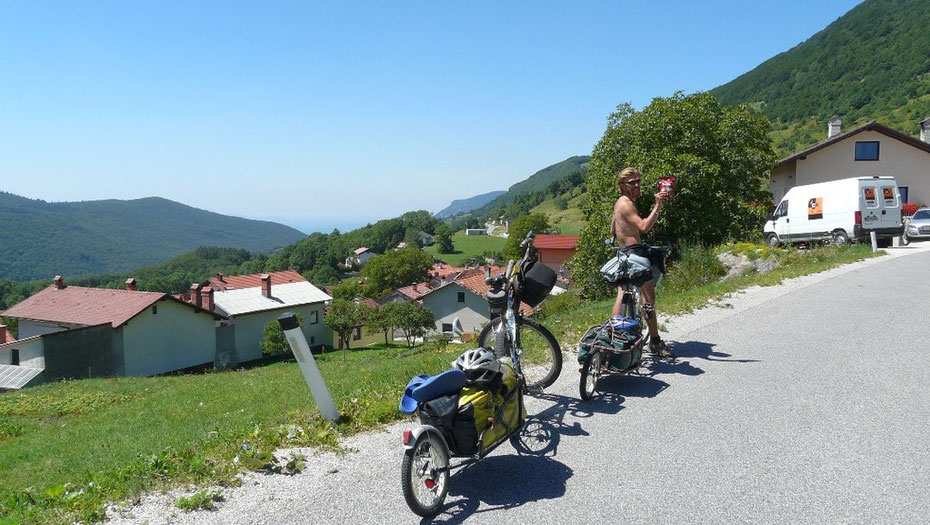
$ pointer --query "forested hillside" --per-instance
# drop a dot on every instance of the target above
(550, 182)
(39, 239)
(873, 63)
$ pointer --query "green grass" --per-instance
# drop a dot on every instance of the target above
(82, 443)
(67, 448)
(569, 221)
(202, 500)
(468, 246)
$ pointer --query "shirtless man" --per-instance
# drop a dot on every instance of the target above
(626, 226)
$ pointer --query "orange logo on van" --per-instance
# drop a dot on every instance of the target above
(888, 194)
(815, 208)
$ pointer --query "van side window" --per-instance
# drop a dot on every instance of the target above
(868, 193)
(889, 197)
(782, 210)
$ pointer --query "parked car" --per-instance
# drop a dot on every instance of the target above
(917, 227)
(839, 211)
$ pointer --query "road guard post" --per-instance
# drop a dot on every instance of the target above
(298, 343)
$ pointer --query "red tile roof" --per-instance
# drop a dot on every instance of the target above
(415, 291)
(555, 242)
(358, 251)
(444, 270)
(221, 283)
(84, 306)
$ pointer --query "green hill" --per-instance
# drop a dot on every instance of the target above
(873, 63)
(40, 239)
(540, 180)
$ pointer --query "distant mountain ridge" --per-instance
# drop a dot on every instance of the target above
(40, 239)
(465, 205)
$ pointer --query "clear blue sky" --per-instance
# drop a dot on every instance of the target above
(334, 114)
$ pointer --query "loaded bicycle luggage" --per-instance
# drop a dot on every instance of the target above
(464, 413)
(615, 346)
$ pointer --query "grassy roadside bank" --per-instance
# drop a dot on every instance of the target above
(68, 448)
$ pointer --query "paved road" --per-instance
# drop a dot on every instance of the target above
(806, 403)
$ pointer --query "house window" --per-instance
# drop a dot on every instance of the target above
(312, 340)
(447, 328)
(356, 333)
(154, 310)
(461, 297)
(314, 317)
(14, 356)
(867, 150)
(903, 191)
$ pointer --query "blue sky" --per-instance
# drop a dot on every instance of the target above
(323, 115)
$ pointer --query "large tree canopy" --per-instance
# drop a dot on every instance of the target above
(395, 269)
(720, 156)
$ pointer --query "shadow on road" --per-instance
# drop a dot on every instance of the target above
(503, 482)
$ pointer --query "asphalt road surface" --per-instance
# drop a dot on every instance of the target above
(803, 403)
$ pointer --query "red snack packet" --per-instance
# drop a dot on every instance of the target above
(667, 186)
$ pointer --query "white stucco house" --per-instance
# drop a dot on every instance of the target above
(252, 301)
(463, 299)
(865, 151)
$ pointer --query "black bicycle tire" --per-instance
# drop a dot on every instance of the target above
(554, 347)
(406, 484)
(585, 371)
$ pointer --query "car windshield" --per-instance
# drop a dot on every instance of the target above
(922, 214)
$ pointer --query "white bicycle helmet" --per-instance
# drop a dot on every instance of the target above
(480, 366)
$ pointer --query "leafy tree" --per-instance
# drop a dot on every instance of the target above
(412, 319)
(444, 239)
(380, 319)
(561, 202)
(342, 317)
(273, 340)
(720, 156)
(395, 269)
(519, 227)
(349, 289)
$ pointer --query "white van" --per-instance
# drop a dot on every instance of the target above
(841, 210)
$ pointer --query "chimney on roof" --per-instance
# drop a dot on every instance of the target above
(131, 284)
(59, 282)
(925, 130)
(206, 294)
(834, 125)
(219, 277)
(2, 334)
(266, 285)
(195, 294)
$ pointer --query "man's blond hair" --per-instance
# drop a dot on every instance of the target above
(625, 174)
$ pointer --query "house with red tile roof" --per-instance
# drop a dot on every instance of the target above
(463, 300)
(359, 256)
(73, 331)
(555, 250)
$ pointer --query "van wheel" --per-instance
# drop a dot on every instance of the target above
(772, 240)
(840, 238)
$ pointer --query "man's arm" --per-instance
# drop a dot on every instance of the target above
(626, 211)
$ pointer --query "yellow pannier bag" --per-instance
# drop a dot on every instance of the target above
(486, 404)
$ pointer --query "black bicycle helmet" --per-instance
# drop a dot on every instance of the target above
(481, 367)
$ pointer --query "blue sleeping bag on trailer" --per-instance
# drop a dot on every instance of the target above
(425, 388)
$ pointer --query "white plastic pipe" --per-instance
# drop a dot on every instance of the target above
(298, 343)
(874, 241)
